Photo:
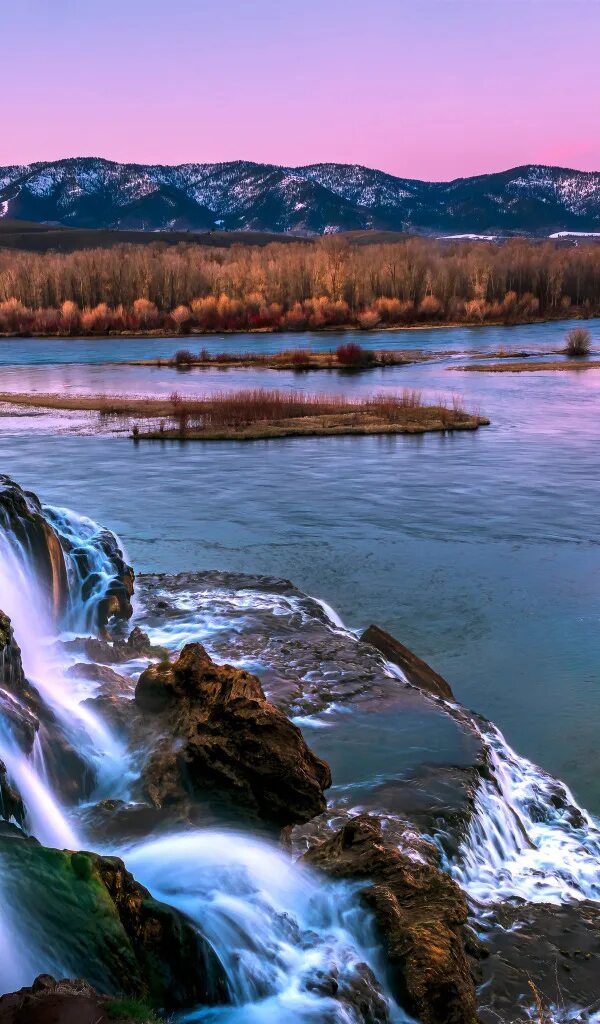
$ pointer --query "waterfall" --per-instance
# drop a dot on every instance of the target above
(92, 555)
(275, 926)
(47, 820)
(528, 837)
(44, 664)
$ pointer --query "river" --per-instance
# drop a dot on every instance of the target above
(479, 551)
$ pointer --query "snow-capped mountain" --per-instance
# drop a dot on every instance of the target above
(96, 193)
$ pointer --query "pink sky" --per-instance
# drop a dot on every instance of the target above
(421, 88)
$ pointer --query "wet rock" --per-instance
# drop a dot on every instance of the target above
(115, 604)
(352, 985)
(114, 822)
(220, 736)
(21, 515)
(306, 666)
(110, 683)
(418, 672)
(107, 652)
(420, 914)
(555, 947)
(19, 701)
(11, 802)
(25, 711)
(107, 928)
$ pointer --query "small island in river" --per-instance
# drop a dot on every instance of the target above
(260, 413)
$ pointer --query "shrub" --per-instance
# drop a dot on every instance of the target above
(300, 358)
(183, 357)
(182, 318)
(145, 313)
(430, 307)
(579, 341)
(351, 354)
(368, 320)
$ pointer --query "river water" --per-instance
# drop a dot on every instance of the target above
(479, 551)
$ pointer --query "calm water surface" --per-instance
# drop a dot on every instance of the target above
(480, 551)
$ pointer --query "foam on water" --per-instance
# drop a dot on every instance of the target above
(528, 838)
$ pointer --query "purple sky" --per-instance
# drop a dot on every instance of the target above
(420, 88)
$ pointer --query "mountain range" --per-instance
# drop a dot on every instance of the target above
(320, 198)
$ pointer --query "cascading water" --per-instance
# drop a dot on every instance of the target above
(92, 556)
(287, 940)
(45, 664)
(528, 837)
(47, 820)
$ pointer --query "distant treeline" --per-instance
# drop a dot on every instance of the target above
(318, 284)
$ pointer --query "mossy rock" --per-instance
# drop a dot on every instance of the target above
(101, 925)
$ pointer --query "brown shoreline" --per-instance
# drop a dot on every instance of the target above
(527, 367)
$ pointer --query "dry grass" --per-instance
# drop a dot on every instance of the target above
(261, 412)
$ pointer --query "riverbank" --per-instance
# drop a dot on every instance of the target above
(258, 414)
(171, 328)
(528, 367)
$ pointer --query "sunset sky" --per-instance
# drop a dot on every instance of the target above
(421, 88)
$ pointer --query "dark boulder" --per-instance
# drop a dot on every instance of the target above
(420, 913)
(216, 734)
(417, 672)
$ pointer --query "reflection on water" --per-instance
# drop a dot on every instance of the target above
(480, 550)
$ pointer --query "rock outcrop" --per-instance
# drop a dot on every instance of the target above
(104, 926)
(68, 1001)
(49, 1001)
(221, 738)
(420, 913)
(417, 671)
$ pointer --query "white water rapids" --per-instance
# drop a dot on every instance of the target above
(271, 924)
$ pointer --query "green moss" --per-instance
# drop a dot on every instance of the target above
(131, 1010)
(73, 910)
(82, 866)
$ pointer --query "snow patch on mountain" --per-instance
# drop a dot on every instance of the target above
(317, 198)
